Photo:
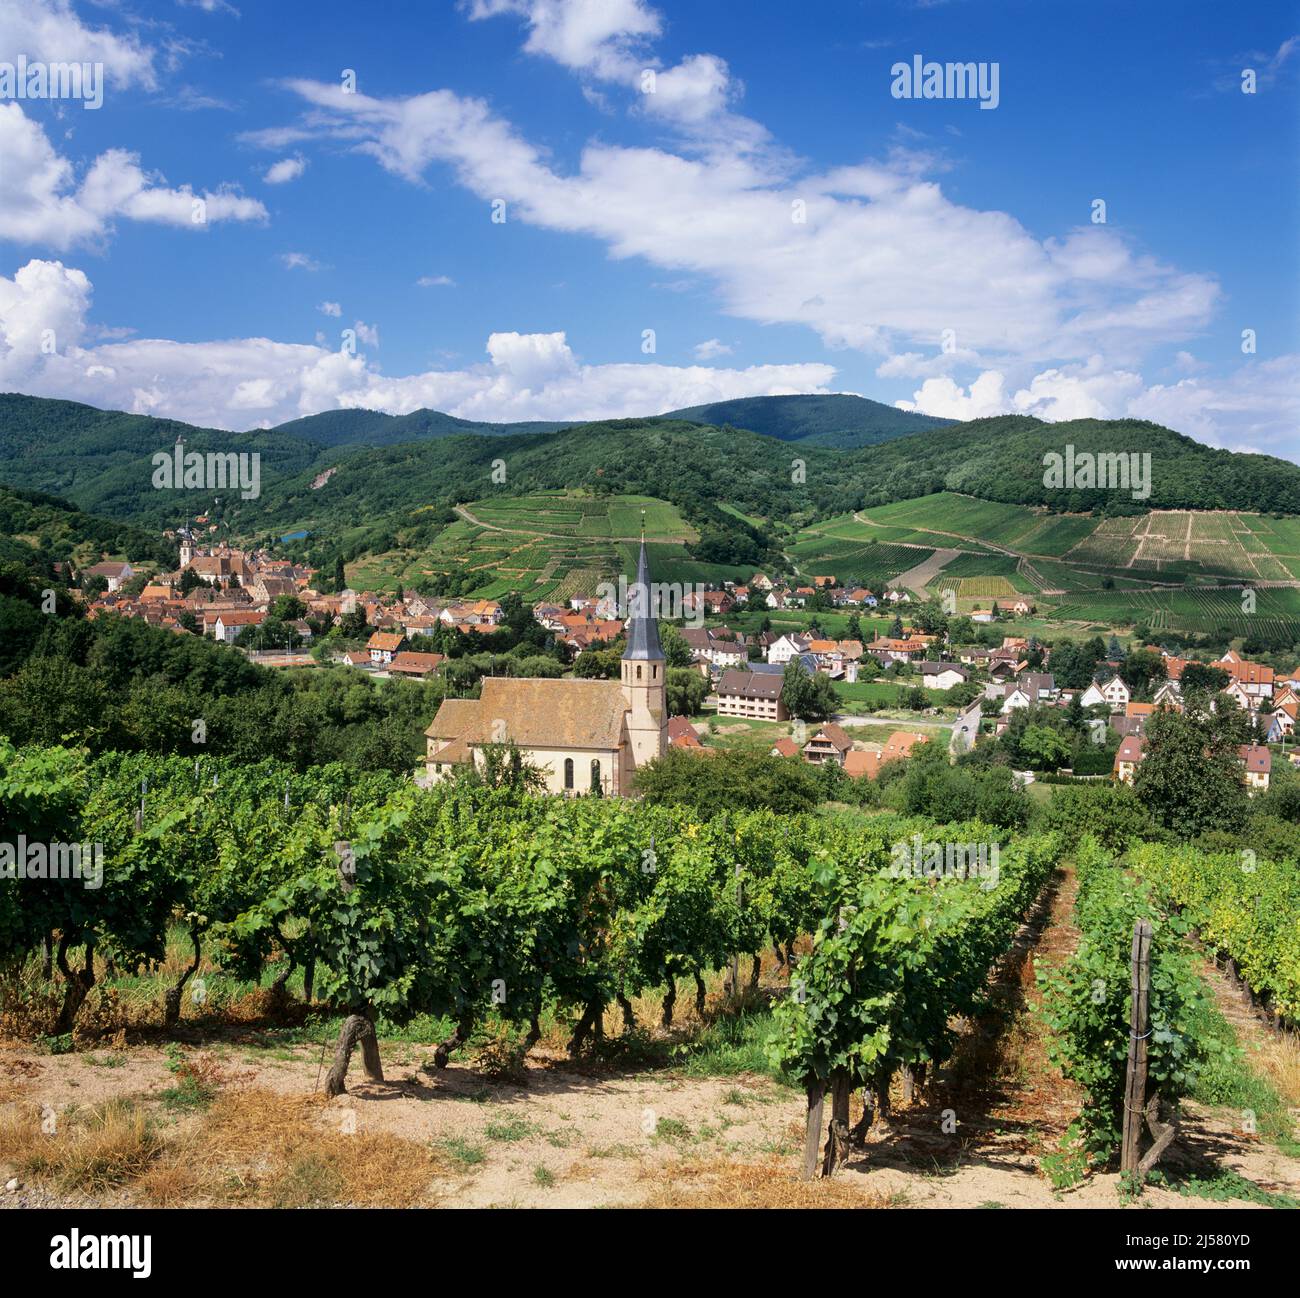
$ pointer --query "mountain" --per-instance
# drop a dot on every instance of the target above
(842, 421)
(100, 461)
(333, 428)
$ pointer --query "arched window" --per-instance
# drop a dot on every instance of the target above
(568, 772)
(638, 671)
(595, 775)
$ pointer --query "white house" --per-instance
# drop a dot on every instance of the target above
(785, 648)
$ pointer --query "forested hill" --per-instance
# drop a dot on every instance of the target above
(37, 530)
(838, 420)
(1002, 459)
(374, 428)
(100, 461)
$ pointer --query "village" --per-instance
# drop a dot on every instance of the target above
(921, 686)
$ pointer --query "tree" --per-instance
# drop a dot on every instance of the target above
(677, 653)
(340, 576)
(896, 628)
(1190, 776)
(1045, 749)
(1204, 678)
(685, 690)
(855, 627)
(809, 697)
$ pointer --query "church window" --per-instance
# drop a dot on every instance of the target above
(568, 772)
(638, 671)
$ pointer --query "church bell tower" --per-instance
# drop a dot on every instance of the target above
(643, 671)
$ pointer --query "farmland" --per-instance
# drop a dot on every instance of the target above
(548, 546)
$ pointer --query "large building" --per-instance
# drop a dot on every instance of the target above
(583, 735)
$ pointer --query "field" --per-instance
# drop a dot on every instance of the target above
(1276, 615)
(1176, 570)
(550, 546)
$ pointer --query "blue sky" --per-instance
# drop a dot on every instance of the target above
(670, 209)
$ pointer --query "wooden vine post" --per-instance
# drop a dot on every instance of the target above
(1135, 1083)
(813, 1137)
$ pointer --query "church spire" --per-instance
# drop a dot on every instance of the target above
(642, 627)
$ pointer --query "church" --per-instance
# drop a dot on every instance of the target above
(585, 736)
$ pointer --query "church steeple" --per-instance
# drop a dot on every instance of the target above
(642, 625)
(644, 669)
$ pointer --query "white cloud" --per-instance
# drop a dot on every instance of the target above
(299, 261)
(1256, 407)
(285, 170)
(710, 348)
(597, 36)
(872, 256)
(242, 382)
(43, 205)
(49, 31)
(368, 334)
(436, 281)
(330, 308)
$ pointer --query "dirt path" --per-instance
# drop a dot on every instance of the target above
(923, 573)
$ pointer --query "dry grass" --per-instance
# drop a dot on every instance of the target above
(252, 1148)
(258, 1148)
(105, 1147)
(720, 1183)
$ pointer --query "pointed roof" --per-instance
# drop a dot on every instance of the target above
(642, 626)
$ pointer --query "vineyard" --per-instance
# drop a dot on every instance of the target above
(466, 917)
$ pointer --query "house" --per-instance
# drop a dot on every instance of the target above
(829, 744)
(383, 646)
(1040, 686)
(1016, 695)
(862, 764)
(417, 666)
(1127, 756)
(708, 644)
(681, 734)
(787, 647)
(1258, 761)
(901, 743)
(751, 694)
(784, 747)
(942, 676)
(760, 581)
(1023, 607)
(116, 574)
(1168, 694)
(1282, 723)
(983, 615)
(1255, 679)
(1114, 693)
(582, 735)
(227, 624)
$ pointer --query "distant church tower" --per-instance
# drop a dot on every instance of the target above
(643, 671)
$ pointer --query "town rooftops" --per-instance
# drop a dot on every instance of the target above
(750, 685)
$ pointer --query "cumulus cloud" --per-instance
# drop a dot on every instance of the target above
(49, 31)
(1257, 407)
(43, 204)
(287, 169)
(710, 348)
(245, 382)
(873, 256)
(330, 308)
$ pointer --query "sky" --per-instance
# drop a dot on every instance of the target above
(555, 209)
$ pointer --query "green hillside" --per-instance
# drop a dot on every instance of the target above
(842, 421)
